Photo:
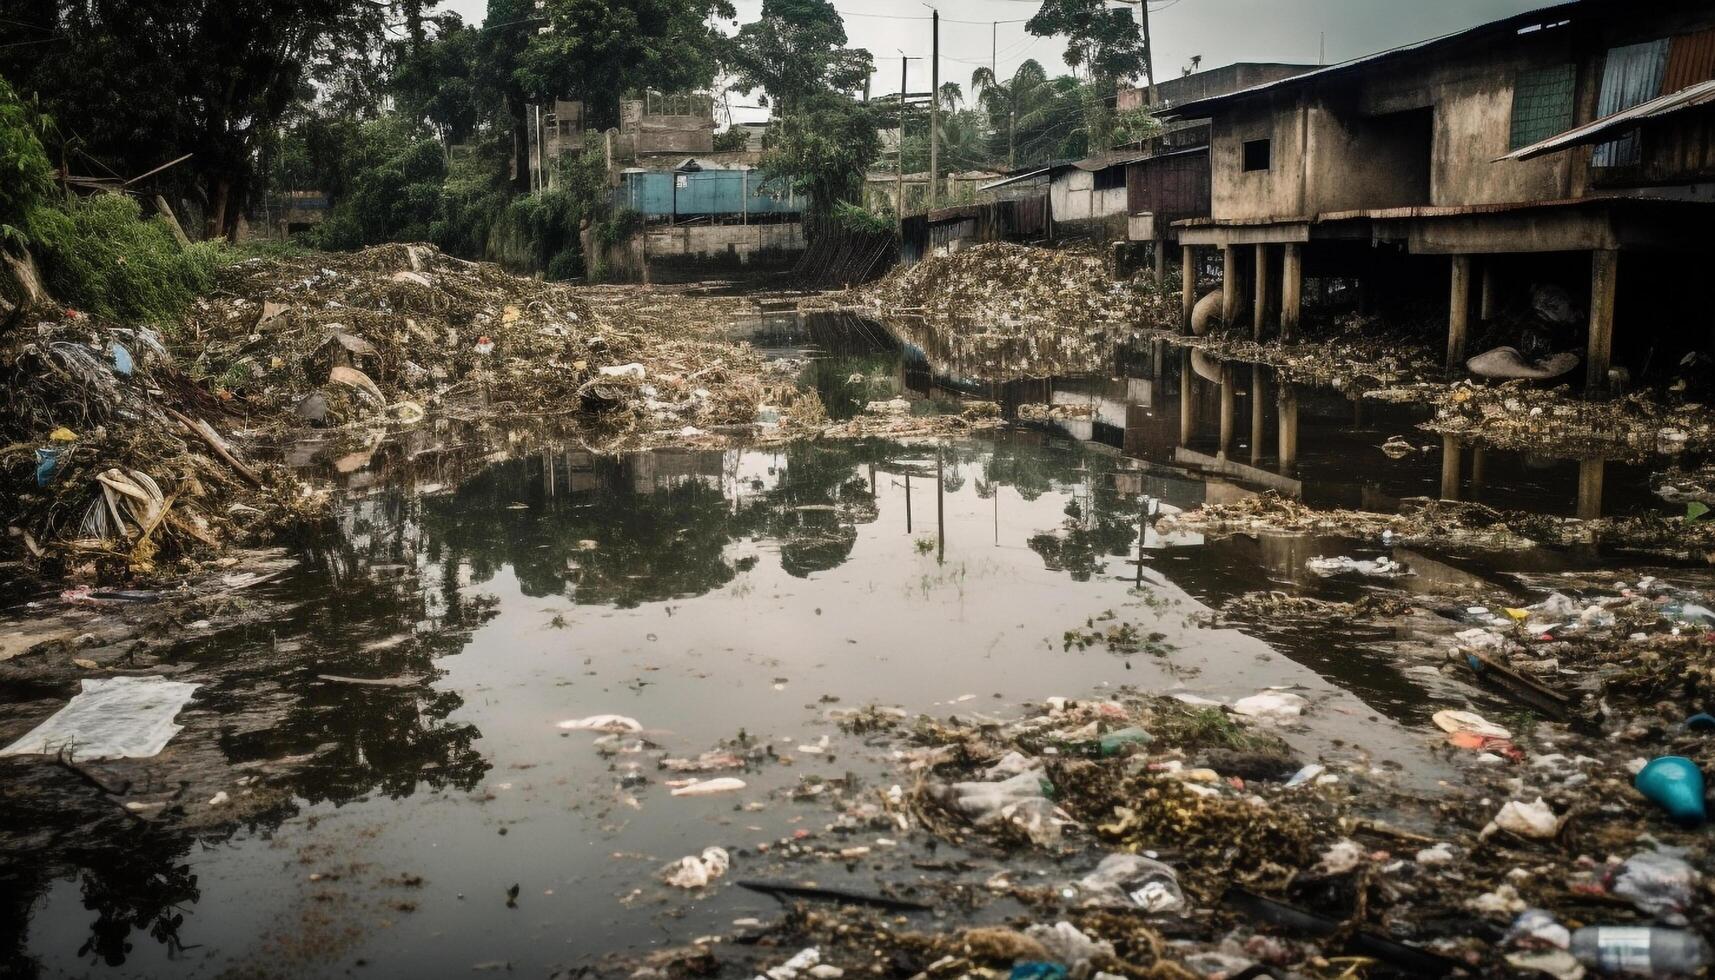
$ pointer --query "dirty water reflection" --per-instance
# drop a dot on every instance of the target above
(721, 597)
(705, 594)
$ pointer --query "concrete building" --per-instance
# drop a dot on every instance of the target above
(1170, 180)
(1577, 136)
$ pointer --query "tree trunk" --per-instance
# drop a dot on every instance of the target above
(216, 227)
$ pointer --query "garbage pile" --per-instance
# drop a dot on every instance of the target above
(1456, 524)
(1514, 415)
(396, 332)
(1014, 286)
(1001, 311)
(118, 462)
(1154, 836)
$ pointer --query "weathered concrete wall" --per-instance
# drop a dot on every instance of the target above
(688, 252)
(1348, 145)
(1075, 197)
(1360, 162)
(1279, 191)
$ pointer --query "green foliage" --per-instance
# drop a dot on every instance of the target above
(824, 147)
(1134, 126)
(25, 171)
(147, 81)
(619, 227)
(1105, 41)
(732, 140)
(1696, 510)
(600, 49)
(796, 50)
(394, 189)
(1033, 118)
(473, 197)
(98, 255)
(854, 218)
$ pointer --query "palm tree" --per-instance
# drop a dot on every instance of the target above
(1029, 104)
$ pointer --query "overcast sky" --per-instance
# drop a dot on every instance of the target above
(1222, 31)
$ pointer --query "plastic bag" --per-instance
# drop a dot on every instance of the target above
(112, 718)
(1128, 880)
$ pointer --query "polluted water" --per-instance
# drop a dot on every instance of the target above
(525, 707)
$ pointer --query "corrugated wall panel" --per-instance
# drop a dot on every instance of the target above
(1690, 59)
(1632, 75)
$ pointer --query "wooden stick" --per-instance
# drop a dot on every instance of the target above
(215, 442)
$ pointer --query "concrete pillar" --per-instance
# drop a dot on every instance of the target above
(1486, 293)
(1590, 473)
(1187, 286)
(1458, 312)
(1259, 313)
(1226, 411)
(1229, 284)
(1449, 468)
(1291, 289)
(1288, 402)
(1258, 384)
(1160, 262)
(1604, 274)
(1187, 398)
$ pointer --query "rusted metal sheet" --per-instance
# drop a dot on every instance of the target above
(1171, 187)
(1690, 59)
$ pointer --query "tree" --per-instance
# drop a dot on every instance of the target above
(598, 50)
(1105, 41)
(825, 147)
(442, 81)
(1028, 114)
(136, 83)
(797, 49)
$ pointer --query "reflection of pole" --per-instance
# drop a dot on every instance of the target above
(872, 481)
(1478, 458)
(1142, 528)
(1449, 468)
(1187, 397)
(1590, 488)
(908, 503)
(940, 512)
(1288, 428)
(1257, 422)
(1226, 411)
(997, 515)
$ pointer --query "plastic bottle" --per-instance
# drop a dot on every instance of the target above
(1121, 741)
(1640, 950)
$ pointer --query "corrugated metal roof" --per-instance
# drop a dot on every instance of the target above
(1696, 96)
(1205, 107)
(1013, 180)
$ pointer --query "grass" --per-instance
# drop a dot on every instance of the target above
(100, 256)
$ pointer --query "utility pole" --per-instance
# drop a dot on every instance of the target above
(1148, 50)
(994, 46)
(899, 156)
(935, 109)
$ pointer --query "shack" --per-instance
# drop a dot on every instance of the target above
(1560, 145)
(1170, 182)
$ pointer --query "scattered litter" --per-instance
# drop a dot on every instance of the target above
(111, 718)
(1275, 705)
(602, 723)
(1382, 567)
(708, 787)
(697, 871)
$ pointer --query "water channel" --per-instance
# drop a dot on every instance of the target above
(738, 596)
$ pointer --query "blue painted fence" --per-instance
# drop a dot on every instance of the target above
(704, 192)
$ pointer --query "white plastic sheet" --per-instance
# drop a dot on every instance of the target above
(112, 718)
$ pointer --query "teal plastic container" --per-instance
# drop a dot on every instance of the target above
(1675, 784)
